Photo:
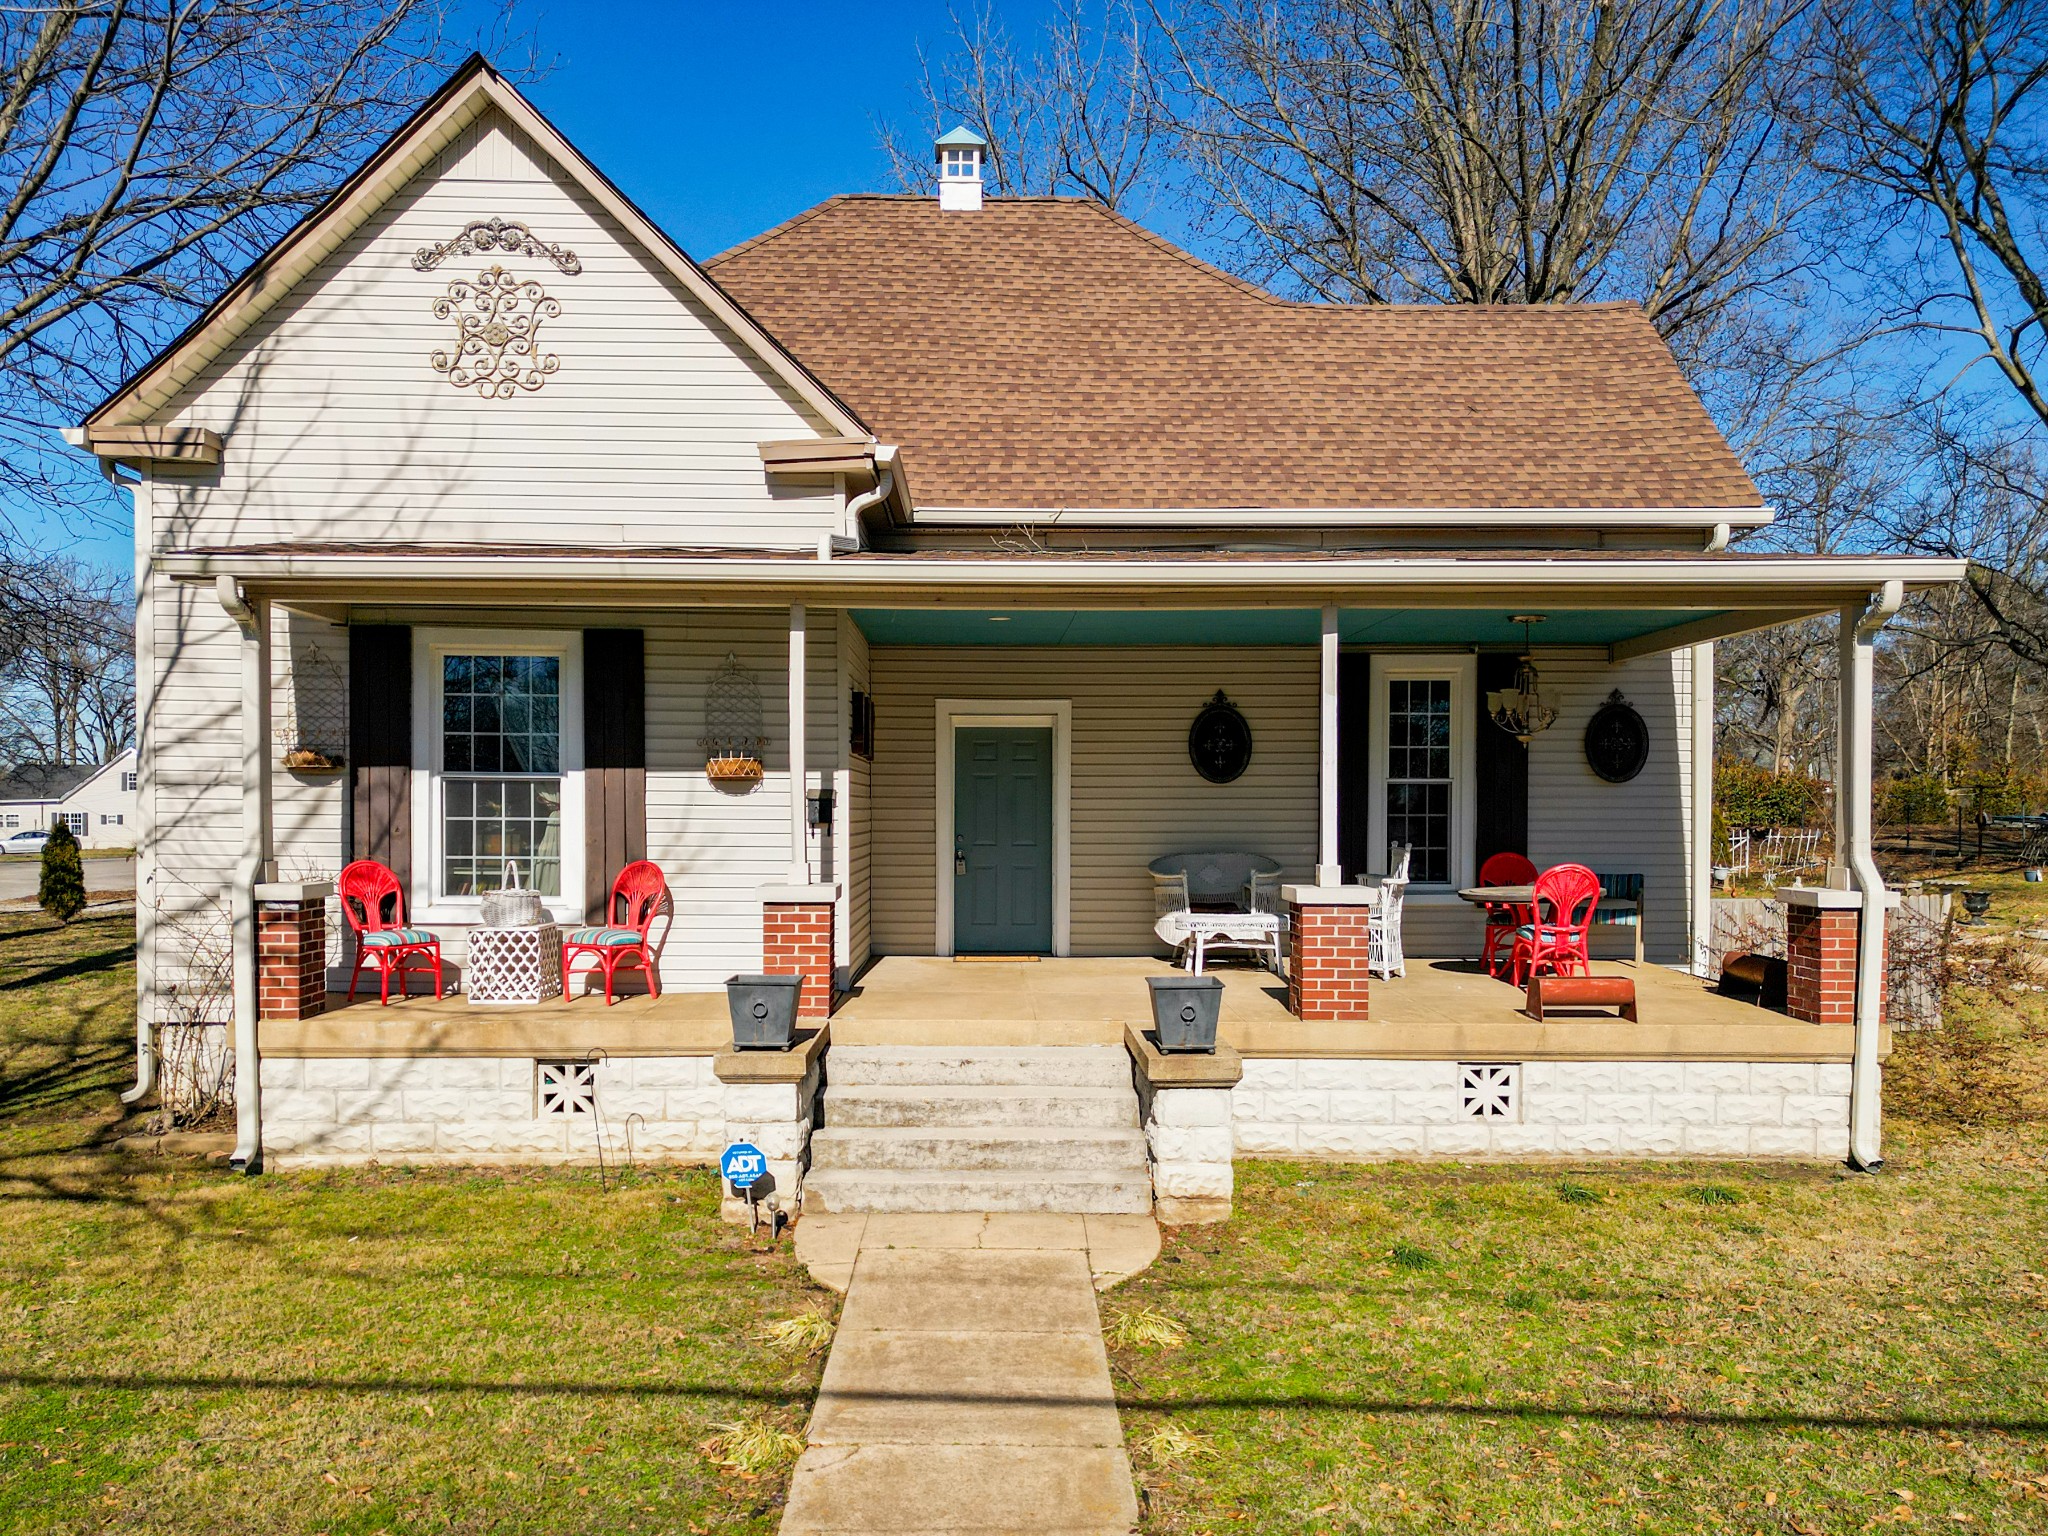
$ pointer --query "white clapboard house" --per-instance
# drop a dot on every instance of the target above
(909, 584)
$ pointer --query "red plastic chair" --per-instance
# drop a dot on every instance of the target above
(1554, 940)
(638, 895)
(1504, 920)
(374, 906)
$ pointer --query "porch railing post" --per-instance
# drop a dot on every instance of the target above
(252, 618)
(1328, 870)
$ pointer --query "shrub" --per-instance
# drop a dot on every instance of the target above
(2000, 790)
(1747, 795)
(1918, 801)
(61, 892)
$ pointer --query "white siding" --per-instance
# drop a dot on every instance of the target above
(1635, 828)
(1135, 795)
(337, 426)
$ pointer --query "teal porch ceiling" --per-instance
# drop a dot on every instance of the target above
(1257, 626)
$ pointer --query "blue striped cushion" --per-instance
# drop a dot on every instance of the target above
(604, 936)
(390, 936)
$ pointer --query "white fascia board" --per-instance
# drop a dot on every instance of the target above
(1706, 581)
(1342, 517)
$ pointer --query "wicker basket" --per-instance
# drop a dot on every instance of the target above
(733, 768)
(513, 906)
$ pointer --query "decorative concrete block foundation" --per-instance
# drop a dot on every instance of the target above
(490, 1109)
(1184, 1102)
(771, 1102)
(1369, 1109)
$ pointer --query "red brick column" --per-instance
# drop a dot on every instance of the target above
(291, 951)
(796, 940)
(1821, 927)
(1327, 948)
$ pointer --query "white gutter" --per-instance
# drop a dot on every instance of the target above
(1626, 580)
(1852, 804)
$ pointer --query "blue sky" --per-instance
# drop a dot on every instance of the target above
(719, 120)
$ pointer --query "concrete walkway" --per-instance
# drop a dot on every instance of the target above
(968, 1389)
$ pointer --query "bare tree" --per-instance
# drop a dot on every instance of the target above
(67, 684)
(1938, 112)
(149, 149)
(1070, 114)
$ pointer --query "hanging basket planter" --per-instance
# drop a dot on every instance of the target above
(733, 768)
(311, 760)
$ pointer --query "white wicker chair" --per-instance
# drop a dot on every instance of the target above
(1384, 955)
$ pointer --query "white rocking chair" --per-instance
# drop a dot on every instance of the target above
(1383, 954)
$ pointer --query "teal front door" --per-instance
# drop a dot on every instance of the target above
(1002, 840)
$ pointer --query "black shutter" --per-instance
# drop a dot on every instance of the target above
(380, 746)
(1354, 761)
(1503, 770)
(614, 760)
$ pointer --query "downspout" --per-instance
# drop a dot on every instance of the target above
(1718, 539)
(884, 487)
(251, 868)
(1858, 648)
(145, 782)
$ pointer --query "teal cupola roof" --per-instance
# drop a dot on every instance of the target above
(961, 153)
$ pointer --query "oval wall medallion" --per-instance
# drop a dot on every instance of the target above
(1617, 740)
(1220, 741)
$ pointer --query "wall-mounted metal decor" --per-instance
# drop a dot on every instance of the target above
(1617, 740)
(733, 736)
(497, 334)
(1220, 741)
(482, 237)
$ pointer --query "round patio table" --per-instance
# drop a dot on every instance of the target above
(1525, 896)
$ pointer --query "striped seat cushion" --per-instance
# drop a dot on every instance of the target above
(605, 936)
(387, 937)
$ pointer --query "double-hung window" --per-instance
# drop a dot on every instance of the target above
(500, 718)
(1422, 780)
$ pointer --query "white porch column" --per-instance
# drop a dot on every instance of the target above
(1858, 643)
(1702, 808)
(1328, 870)
(799, 852)
(252, 617)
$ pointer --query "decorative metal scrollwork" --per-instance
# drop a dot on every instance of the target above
(481, 237)
(497, 327)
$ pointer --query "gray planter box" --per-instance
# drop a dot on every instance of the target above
(763, 1011)
(1185, 1010)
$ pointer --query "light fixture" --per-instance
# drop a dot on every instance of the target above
(1522, 711)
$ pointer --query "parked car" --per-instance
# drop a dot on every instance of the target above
(28, 841)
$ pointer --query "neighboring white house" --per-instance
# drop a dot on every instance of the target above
(1006, 549)
(97, 801)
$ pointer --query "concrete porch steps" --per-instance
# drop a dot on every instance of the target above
(910, 1129)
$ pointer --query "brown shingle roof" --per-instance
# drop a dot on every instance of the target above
(1045, 353)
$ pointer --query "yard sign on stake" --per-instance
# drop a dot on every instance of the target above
(743, 1165)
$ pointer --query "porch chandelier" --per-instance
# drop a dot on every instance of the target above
(1522, 711)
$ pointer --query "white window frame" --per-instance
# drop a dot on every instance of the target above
(1463, 673)
(948, 716)
(427, 903)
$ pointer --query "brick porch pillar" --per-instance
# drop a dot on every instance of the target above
(1821, 925)
(1327, 950)
(796, 940)
(291, 949)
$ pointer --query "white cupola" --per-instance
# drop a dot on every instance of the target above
(961, 155)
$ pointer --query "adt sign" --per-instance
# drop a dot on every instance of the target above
(743, 1165)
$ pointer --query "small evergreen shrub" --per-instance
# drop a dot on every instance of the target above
(1747, 795)
(61, 892)
(1917, 801)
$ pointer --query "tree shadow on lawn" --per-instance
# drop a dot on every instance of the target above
(1236, 1402)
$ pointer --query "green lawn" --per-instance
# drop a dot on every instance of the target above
(183, 1349)
(1647, 1348)
(1404, 1349)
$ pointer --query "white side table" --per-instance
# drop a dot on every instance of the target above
(514, 965)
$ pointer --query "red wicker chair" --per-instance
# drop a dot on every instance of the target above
(1503, 921)
(1554, 940)
(638, 896)
(373, 904)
